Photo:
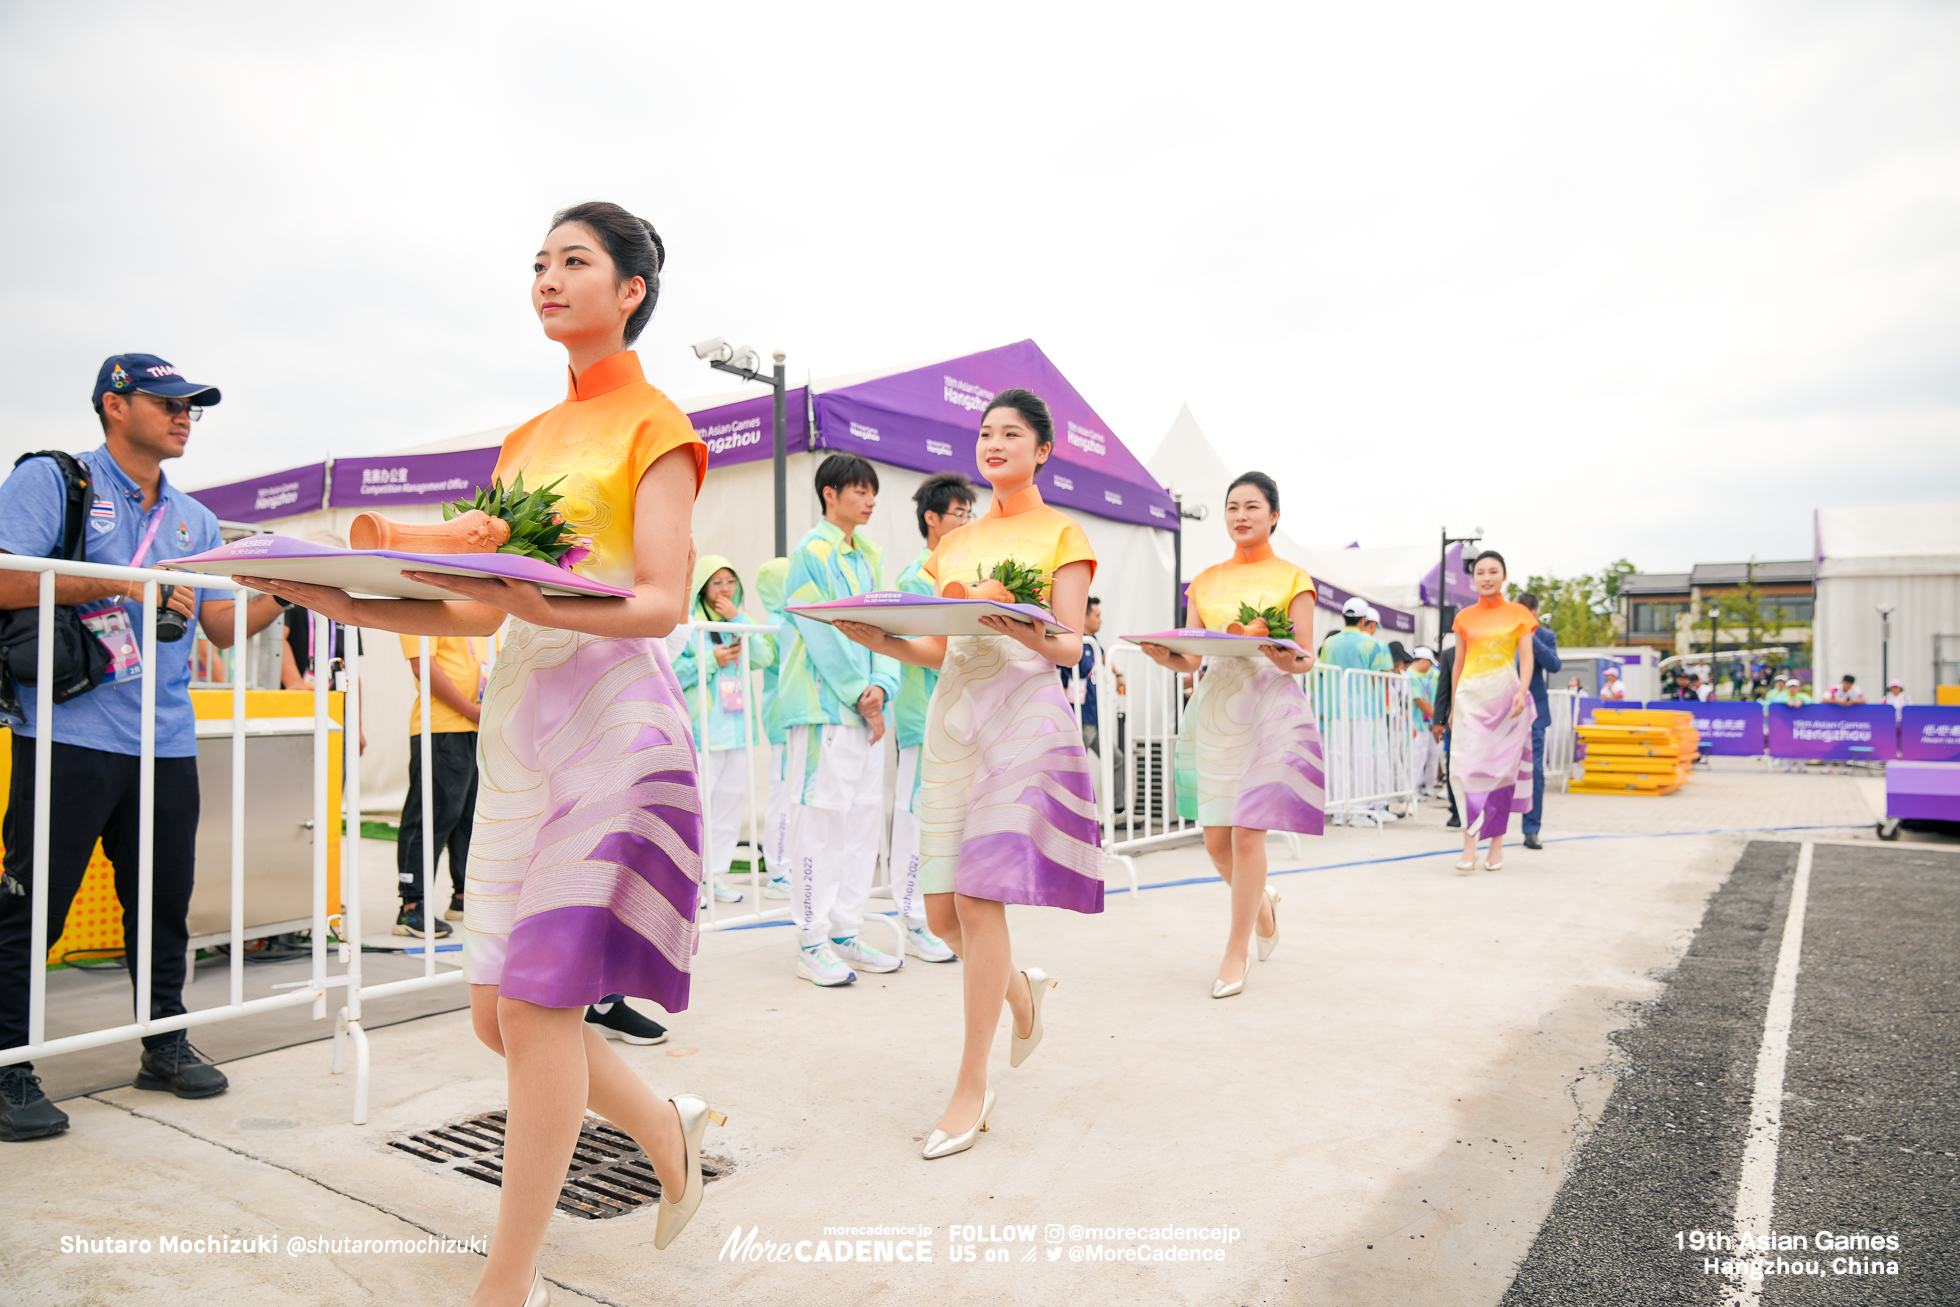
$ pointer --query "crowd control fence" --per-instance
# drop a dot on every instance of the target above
(1367, 726)
(338, 929)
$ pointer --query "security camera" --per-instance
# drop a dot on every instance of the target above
(746, 358)
(713, 348)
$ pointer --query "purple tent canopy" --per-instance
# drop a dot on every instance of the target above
(746, 430)
(1460, 590)
(380, 483)
(276, 494)
(926, 419)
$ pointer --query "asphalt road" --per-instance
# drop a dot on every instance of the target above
(1871, 1107)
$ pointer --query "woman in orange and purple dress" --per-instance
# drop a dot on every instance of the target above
(586, 856)
(1007, 812)
(1248, 751)
(1491, 713)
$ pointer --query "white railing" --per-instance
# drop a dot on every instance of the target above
(1561, 737)
(312, 991)
(705, 667)
(1367, 726)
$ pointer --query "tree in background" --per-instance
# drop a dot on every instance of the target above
(1583, 609)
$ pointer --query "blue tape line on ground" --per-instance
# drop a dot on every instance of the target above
(1432, 853)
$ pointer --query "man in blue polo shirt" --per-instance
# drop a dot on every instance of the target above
(135, 518)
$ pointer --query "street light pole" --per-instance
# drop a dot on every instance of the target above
(1714, 615)
(745, 363)
(1445, 611)
(1177, 555)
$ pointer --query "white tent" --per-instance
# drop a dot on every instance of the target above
(1906, 556)
(734, 517)
(1186, 462)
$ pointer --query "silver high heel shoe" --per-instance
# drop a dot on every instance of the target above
(695, 1114)
(1267, 943)
(1219, 989)
(942, 1144)
(1039, 983)
(539, 1296)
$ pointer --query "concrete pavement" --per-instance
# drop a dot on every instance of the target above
(1384, 1116)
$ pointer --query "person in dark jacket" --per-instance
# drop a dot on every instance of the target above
(1544, 652)
(1440, 727)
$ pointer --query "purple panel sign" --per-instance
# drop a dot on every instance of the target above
(378, 483)
(1331, 597)
(926, 419)
(1930, 734)
(745, 431)
(1733, 729)
(276, 494)
(1827, 731)
(1922, 791)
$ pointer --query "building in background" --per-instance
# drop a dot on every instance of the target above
(1733, 606)
(1888, 596)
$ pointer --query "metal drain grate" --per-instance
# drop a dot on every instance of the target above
(609, 1175)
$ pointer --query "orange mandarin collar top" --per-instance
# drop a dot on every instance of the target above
(1259, 553)
(609, 373)
(1019, 502)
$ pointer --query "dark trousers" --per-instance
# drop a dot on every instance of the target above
(93, 797)
(1448, 788)
(1537, 813)
(452, 757)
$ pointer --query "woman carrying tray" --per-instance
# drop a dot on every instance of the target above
(1006, 809)
(1491, 713)
(586, 854)
(1248, 752)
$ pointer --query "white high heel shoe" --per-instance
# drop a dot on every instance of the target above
(942, 1144)
(1267, 943)
(1039, 983)
(540, 1296)
(695, 1114)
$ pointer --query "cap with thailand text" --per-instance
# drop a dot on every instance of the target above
(122, 374)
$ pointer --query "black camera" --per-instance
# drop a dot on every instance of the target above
(171, 624)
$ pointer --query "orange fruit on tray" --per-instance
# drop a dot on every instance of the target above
(1256, 627)
(988, 589)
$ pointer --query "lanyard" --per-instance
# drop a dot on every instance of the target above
(143, 550)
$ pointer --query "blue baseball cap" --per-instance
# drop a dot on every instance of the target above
(122, 374)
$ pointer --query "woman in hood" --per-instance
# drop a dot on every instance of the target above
(729, 718)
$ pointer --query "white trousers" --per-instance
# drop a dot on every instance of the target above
(775, 822)
(1428, 753)
(837, 778)
(728, 790)
(905, 840)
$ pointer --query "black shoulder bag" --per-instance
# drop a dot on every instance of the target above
(80, 660)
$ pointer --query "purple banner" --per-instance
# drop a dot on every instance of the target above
(1331, 597)
(1732, 729)
(1930, 734)
(926, 420)
(411, 478)
(1922, 791)
(1827, 731)
(276, 494)
(745, 431)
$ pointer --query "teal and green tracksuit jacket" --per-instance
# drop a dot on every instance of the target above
(769, 580)
(722, 728)
(914, 683)
(822, 674)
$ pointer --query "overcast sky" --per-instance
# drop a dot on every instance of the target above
(1650, 281)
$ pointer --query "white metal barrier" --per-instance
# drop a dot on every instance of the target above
(312, 991)
(1367, 726)
(704, 662)
(1561, 737)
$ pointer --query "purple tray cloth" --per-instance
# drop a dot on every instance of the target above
(377, 572)
(898, 613)
(1200, 643)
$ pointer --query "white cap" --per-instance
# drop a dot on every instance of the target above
(1354, 608)
(1373, 615)
(1612, 671)
(1423, 651)
(1781, 677)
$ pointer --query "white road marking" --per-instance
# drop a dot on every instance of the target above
(1755, 1198)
